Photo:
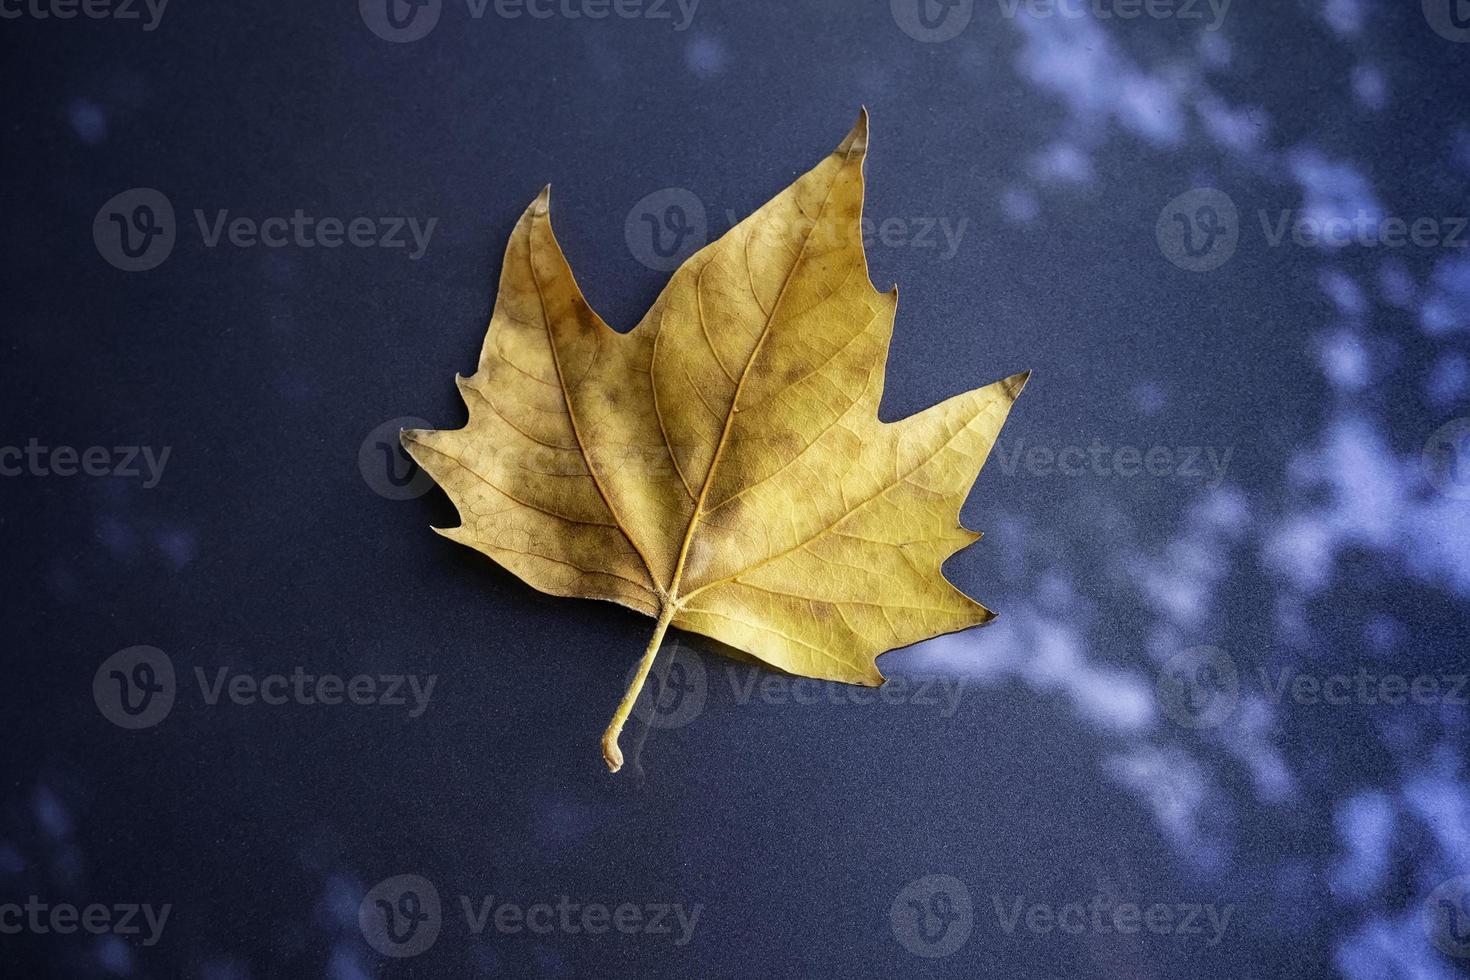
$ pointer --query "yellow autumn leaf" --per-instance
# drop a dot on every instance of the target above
(721, 467)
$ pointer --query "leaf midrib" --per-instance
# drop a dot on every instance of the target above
(673, 596)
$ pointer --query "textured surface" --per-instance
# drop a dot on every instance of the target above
(1311, 544)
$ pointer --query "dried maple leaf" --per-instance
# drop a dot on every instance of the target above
(721, 467)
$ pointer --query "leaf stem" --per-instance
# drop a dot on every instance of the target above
(610, 750)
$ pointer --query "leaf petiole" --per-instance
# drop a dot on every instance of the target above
(610, 750)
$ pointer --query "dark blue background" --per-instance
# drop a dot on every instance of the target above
(1325, 547)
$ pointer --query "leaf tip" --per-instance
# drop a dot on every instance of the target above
(542, 204)
(1016, 382)
(459, 534)
(857, 140)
